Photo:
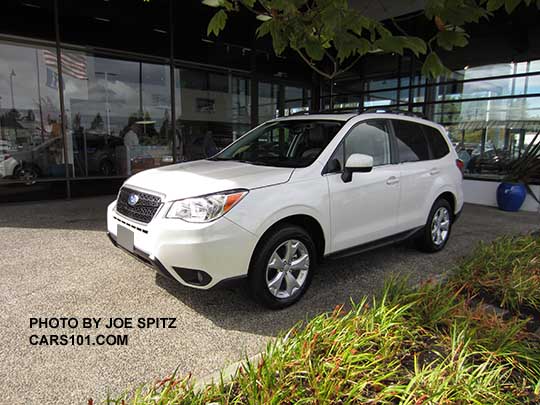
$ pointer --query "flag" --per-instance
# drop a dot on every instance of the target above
(73, 64)
(52, 79)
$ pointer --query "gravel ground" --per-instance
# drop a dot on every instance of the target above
(57, 261)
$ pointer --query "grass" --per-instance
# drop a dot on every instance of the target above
(435, 344)
(507, 270)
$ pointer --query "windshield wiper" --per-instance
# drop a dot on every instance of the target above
(251, 162)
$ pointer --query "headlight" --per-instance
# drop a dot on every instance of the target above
(205, 208)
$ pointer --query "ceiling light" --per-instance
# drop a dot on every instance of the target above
(30, 5)
(466, 67)
(102, 19)
(160, 31)
(264, 17)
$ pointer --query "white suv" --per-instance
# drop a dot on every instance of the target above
(289, 193)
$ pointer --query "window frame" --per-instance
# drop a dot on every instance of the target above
(391, 143)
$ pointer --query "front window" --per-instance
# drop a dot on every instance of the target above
(290, 143)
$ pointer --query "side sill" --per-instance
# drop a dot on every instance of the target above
(389, 240)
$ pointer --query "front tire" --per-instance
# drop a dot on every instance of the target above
(282, 267)
(436, 233)
(106, 168)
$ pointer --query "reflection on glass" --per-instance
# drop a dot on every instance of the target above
(296, 100)
(31, 144)
(213, 109)
(268, 101)
(117, 114)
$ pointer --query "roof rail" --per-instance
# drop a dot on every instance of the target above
(383, 110)
(328, 111)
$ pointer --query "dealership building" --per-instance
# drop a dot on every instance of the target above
(94, 91)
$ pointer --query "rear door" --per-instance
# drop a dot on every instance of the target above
(366, 208)
(417, 173)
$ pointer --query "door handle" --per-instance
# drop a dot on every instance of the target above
(392, 180)
(434, 171)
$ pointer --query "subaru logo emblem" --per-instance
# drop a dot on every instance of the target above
(133, 199)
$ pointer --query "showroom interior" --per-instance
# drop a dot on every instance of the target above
(80, 80)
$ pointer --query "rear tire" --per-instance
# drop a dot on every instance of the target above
(435, 235)
(26, 173)
(282, 267)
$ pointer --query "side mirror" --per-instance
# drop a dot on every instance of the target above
(357, 162)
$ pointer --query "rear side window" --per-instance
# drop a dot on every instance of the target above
(411, 142)
(439, 147)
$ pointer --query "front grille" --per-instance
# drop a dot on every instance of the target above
(145, 208)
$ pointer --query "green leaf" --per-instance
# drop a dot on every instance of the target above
(348, 45)
(280, 39)
(510, 5)
(249, 3)
(397, 44)
(217, 23)
(264, 29)
(212, 3)
(434, 8)
(433, 67)
(416, 45)
(493, 5)
(450, 39)
(314, 49)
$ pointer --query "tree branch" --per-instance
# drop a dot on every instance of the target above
(315, 68)
(346, 69)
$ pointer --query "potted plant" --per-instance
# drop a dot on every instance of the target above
(512, 192)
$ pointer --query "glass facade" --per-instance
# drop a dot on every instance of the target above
(97, 116)
(491, 112)
(31, 141)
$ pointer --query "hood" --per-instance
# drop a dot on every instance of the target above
(201, 177)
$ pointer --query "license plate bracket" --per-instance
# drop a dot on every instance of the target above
(125, 237)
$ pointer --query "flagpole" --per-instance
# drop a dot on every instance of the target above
(11, 75)
(39, 98)
(61, 95)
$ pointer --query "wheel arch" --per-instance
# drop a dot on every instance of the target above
(307, 222)
(23, 164)
(450, 197)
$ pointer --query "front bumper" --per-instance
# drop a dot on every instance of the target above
(196, 255)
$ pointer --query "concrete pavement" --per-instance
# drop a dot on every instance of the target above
(57, 261)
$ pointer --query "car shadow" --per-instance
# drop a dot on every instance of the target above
(85, 214)
(336, 282)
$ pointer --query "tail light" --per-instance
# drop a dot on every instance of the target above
(460, 165)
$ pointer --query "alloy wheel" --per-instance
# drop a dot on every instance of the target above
(440, 226)
(287, 269)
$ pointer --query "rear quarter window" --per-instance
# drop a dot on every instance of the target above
(411, 141)
(436, 141)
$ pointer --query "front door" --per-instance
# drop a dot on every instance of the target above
(366, 208)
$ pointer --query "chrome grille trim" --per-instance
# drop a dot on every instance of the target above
(143, 211)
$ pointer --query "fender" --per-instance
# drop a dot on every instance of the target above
(290, 211)
(446, 188)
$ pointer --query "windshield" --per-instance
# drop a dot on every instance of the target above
(290, 143)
